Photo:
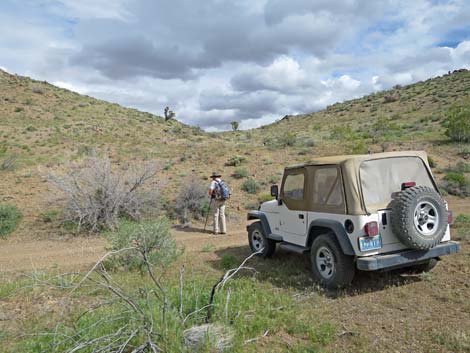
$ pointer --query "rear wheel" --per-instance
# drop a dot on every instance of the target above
(258, 240)
(330, 267)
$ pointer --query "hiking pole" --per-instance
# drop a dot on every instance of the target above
(207, 216)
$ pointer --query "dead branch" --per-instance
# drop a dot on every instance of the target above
(256, 338)
(226, 277)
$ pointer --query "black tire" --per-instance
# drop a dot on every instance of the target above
(419, 217)
(330, 267)
(258, 240)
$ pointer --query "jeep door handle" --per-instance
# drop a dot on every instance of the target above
(301, 216)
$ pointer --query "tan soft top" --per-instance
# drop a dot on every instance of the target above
(350, 167)
(358, 158)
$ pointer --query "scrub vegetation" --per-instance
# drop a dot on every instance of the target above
(10, 216)
(96, 152)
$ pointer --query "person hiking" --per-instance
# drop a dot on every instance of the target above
(218, 191)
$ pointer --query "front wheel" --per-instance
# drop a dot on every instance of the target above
(259, 242)
(330, 267)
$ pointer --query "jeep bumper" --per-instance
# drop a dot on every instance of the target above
(406, 258)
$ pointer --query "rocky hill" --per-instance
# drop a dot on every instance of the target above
(46, 127)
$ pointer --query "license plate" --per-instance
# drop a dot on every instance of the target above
(370, 243)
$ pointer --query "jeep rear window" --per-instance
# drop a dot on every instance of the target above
(380, 178)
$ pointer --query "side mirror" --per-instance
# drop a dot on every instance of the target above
(275, 191)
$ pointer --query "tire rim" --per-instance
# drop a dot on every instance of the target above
(257, 240)
(325, 262)
(426, 218)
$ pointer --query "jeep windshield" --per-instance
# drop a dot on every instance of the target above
(380, 178)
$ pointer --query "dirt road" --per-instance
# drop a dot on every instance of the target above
(80, 252)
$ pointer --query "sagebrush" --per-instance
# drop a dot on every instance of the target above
(191, 200)
(97, 194)
(10, 217)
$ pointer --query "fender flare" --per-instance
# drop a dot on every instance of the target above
(264, 222)
(338, 231)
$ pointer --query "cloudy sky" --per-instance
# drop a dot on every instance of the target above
(217, 61)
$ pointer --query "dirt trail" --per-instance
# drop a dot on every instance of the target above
(32, 255)
(19, 254)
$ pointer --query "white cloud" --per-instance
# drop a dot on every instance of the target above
(216, 61)
(461, 55)
(99, 9)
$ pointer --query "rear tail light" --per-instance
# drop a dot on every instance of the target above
(408, 184)
(372, 229)
(450, 218)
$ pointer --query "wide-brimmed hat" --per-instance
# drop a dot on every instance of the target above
(215, 175)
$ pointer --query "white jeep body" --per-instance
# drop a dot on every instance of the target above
(340, 196)
(286, 223)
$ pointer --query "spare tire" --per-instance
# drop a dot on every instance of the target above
(419, 217)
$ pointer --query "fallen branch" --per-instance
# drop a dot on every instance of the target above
(226, 277)
(256, 338)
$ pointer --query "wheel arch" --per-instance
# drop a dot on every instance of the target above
(257, 215)
(322, 226)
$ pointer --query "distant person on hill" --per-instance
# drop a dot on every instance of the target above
(218, 197)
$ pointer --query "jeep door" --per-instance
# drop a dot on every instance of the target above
(293, 208)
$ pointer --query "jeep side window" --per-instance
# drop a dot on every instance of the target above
(327, 187)
(294, 187)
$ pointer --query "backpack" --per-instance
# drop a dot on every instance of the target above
(222, 190)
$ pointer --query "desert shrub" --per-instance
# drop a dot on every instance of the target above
(49, 216)
(465, 152)
(235, 161)
(343, 132)
(97, 195)
(384, 128)
(432, 162)
(462, 225)
(287, 139)
(250, 186)
(308, 142)
(457, 123)
(462, 167)
(191, 201)
(273, 179)
(263, 197)
(10, 217)
(456, 183)
(8, 162)
(153, 237)
(251, 205)
(240, 173)
(359, 148)
(389, 98)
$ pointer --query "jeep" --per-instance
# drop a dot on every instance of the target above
(367, 212)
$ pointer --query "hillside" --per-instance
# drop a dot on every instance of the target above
(277, 308)
(47, 128)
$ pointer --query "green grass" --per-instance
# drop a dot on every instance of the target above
(252, 308)
(10, 217)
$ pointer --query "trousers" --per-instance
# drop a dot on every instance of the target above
(219, 215)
